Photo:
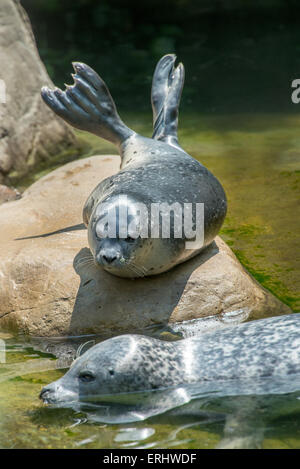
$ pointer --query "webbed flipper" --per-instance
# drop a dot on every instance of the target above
(166, 92)
(88, 105)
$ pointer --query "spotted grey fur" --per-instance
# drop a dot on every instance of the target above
(266, 349)
(153, 170)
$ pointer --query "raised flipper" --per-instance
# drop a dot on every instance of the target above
(88, 105)
(166, 92)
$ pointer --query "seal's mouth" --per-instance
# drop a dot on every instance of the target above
(120, 267)
(57, 395)
(124, 271)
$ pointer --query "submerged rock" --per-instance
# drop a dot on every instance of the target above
(29, 132)
(49, 285)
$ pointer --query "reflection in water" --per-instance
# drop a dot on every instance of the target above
(133, 434)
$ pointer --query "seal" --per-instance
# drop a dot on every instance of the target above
(258, 357)
(154, 171)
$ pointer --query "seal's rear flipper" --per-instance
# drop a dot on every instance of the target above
(88, 105)
(166, 91)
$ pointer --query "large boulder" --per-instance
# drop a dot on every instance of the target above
(29, 131)
(49, 287)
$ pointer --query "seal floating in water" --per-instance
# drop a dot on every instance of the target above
(153, 171)
(249, 354)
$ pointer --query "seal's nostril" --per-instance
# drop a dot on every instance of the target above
(44, 394)
(109, 258)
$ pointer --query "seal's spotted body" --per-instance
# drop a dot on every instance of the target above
(263, 349)
(155, 170)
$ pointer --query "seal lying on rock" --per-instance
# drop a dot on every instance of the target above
(154, 172)
(243, 356)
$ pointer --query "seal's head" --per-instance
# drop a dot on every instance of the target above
(118, 233)
(127, 363)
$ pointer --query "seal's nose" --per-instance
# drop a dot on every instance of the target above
(46, 394)
(109, 258)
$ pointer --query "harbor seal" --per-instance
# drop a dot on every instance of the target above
(154, 171)
(258, 357)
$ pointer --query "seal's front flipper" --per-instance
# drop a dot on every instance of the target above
(88, 105)
(166, 92)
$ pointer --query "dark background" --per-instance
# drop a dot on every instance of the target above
(239, 55)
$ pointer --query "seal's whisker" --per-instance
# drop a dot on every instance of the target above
(137, 269)
(84, 258)
(133, 267)
(142, 274)
(79, 351)
(85, 263)
(142, 268)
(81, 261)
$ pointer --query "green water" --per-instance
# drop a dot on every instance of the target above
(257, 159)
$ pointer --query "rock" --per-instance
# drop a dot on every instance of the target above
(49, 286)
(29, 132)
(8, 193)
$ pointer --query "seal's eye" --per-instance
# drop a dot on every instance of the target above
(111, 371)
(86, 377)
